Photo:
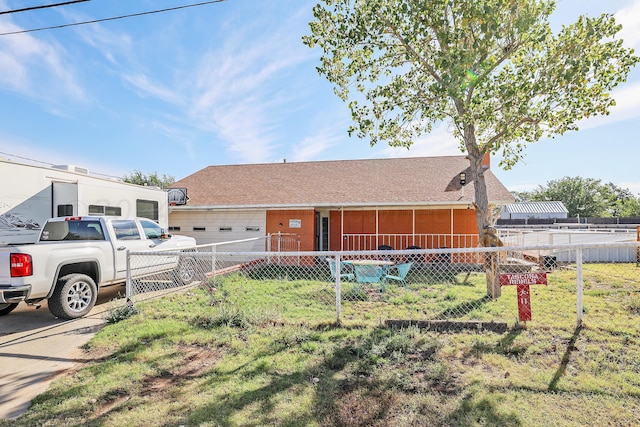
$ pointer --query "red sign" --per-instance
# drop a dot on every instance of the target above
(523, 279)
(524, 303)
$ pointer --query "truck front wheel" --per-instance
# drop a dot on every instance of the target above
(7, 308)
(74, 296)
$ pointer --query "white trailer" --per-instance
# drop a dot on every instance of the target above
(29, 195)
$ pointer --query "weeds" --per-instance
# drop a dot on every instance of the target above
(120, 312)
(266, 352)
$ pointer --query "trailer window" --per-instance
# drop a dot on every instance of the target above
(105, 210)
(147, 209)
(65, 210)
(96, 210)
(126, 230)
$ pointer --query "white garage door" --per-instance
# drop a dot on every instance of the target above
(217, 227)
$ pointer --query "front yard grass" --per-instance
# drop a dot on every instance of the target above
(269, 352)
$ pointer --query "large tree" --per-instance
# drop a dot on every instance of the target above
(493, 69)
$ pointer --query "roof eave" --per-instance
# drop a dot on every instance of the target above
(461, 203)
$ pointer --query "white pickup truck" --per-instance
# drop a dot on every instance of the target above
(75, 256)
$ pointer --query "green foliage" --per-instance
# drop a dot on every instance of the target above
(587, 197)
(494, 65)
(151, 179)
(120, 312)
(492, 68)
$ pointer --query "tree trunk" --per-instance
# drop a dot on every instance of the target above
(486, 232)
(481, 203)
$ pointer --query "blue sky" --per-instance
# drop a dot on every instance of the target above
(232, 83)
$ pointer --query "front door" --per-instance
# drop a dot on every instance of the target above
(65, 199)
(325, 233)
(322, 232)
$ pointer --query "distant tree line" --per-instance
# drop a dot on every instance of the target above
(150, 179)
(586, 197)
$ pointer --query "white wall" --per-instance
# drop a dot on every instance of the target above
(191, 223)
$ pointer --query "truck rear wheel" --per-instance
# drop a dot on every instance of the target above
(74, 296)
(7, 308)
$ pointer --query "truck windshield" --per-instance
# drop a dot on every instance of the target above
(72, 230)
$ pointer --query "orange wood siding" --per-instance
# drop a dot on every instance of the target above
(355, 222)
(395, 222)
(359, 222)
(427, 221)
(464, 221)
(434, 221)
(306, 231)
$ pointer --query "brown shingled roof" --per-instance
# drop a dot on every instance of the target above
(373, 182)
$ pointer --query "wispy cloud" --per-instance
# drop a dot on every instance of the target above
(627, 107)
(316, 146)
(629, 18)
(110, 44)
(145, 87)
(245, 92)
(35, 68)
(240, 90)
(440, 142)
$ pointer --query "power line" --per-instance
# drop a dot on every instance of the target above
(44, 6)
(112, 18)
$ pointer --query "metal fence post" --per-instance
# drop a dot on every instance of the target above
(128, 282)
(214, 249)
(279, 239)
(338, 297)
(269, 247)
(579, 283)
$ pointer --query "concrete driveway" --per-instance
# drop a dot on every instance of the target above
(35, 347)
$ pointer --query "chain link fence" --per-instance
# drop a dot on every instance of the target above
(442, 289)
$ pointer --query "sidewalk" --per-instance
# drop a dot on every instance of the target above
(35, 347)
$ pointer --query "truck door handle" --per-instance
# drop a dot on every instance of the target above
(153, 245)
(121, 248)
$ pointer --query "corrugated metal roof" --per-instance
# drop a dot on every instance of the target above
(536, 208)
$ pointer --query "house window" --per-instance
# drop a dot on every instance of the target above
(252, 228)
(225, 229)
(174, 228)
(199, 228)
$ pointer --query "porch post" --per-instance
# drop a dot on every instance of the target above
(413, 227)
(341, 229)
(377, 237)
(451, 243)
